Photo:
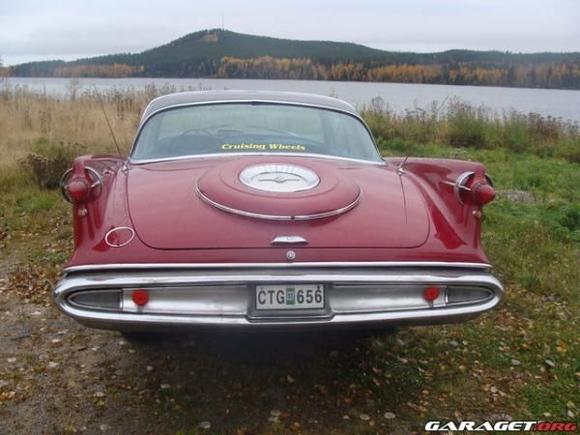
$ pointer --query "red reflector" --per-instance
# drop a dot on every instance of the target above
(483, 194)
(140, 297)
(431, 293)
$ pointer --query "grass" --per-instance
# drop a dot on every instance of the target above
(535, 247)
(521, 359)
(460, 125)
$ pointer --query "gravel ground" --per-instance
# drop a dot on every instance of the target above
(57, 376)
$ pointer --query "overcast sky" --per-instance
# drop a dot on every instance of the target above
(67, 29)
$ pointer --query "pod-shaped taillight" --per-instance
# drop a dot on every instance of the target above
(482, 193)
(78, 191)
(468, 188)
(79, 188)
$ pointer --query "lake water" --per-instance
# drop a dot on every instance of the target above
(400, 97)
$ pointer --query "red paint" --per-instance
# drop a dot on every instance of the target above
(409, 217)
(390, 214)
(140, 297)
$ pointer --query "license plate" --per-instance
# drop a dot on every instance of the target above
(289, 297)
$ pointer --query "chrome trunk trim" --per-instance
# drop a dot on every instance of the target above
(250, 214)
(330, 264)
(139, 162)
(288, 240)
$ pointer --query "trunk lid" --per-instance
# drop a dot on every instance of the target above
(176, 205)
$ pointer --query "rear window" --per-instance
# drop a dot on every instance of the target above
(253, 128)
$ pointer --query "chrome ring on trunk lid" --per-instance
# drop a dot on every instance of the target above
(279, 177)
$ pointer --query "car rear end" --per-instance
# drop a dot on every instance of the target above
(263, 238)
(254, 296)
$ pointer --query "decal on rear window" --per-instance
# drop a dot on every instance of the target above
(263, 147)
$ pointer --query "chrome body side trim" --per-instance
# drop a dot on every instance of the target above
(307, 265)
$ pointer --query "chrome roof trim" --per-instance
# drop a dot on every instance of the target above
(148, 115)
(277, 217)
(213, 155)
(365, 264)
(211, 96)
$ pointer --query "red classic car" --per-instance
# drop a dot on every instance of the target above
(260, 209)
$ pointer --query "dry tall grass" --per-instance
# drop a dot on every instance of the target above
(28, 118)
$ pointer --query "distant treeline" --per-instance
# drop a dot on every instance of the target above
(565, 76)
(224, 54)
(542, 75)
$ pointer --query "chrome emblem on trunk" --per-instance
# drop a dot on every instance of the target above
(279, 177)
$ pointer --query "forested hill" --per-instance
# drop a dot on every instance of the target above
(221, 53)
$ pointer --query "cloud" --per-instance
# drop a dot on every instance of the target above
(35, 29)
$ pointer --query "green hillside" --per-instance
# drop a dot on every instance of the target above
(222, 53)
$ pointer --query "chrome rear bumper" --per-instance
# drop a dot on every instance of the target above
(356, 294)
